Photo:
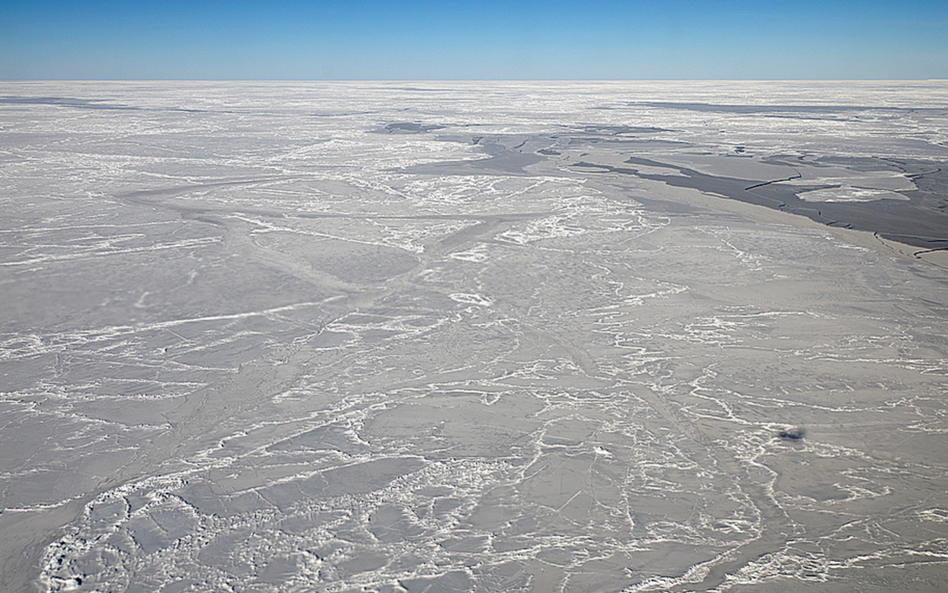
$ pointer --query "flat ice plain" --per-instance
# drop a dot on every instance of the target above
(261, 337)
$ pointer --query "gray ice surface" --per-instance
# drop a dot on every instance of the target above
(274, 337)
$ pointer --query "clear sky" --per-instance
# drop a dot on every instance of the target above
(474, 40)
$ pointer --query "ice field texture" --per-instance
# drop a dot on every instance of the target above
(491, 337)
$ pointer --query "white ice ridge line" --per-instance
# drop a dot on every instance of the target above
(84, 255)
(270, 227)
(114, 332)
(118, 329)
(72, 227)
(167, 324)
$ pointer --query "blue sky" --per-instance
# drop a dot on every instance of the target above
(475, 40)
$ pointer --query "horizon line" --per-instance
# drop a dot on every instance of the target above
(444, 80)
